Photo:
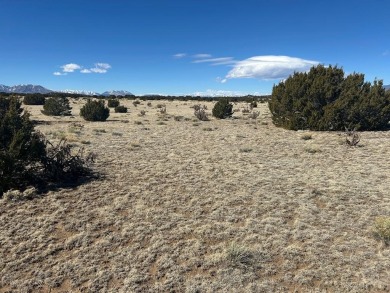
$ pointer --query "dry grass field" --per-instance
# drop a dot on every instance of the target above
(183, 205)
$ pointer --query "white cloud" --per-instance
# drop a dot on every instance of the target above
(59, 73)
(71, 67)
(386, 53)
(103, 65)
(200, 56)
(269, 67)
(179, 55)
(100, 68)
(217, 61)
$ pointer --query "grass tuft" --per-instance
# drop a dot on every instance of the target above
(382, 229)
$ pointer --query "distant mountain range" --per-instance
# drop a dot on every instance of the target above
(24, 89)
(116, 93)
(77, 92)
(38, 89)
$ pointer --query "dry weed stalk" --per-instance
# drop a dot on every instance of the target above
(352, 138)
(254, 115)
(200, 112)
(245, 110)
(162, 110)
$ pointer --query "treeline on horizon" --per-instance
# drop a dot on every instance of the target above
(246, 98)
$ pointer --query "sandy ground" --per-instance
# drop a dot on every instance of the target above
(232, 205)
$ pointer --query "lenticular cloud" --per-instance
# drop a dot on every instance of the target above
(269, 67)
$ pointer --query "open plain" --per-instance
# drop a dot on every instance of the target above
(182, 205)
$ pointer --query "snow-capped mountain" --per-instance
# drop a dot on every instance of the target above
(24, 89)
(38, 89)
(117, 93)
(387, 87)
(79, 92)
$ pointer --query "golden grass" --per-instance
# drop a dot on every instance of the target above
(242, 208)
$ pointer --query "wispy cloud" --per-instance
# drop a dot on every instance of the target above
(269, 67)
(217, 61)
(179, 55)
(386, 53)
(200, 56)
(72, 67)
(206, 58)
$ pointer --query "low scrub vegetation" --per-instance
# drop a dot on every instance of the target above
(34, 99)
(120, 109)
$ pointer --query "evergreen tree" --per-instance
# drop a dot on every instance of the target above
(323, 99)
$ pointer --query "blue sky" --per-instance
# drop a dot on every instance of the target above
(186, 47)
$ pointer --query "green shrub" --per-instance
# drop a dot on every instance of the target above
(34, 99)
(57, 107)
(120, 109)
(223, 109)
(324, 99)
(94, 111)
(113, 103)
(27, 158)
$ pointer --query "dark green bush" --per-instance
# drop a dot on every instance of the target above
(57, 107)
(27, 158)
(120, 109)
(324, 99)
(94, 111)
(223, 109)
(21, 148)
(112, 103)
(35, 99)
